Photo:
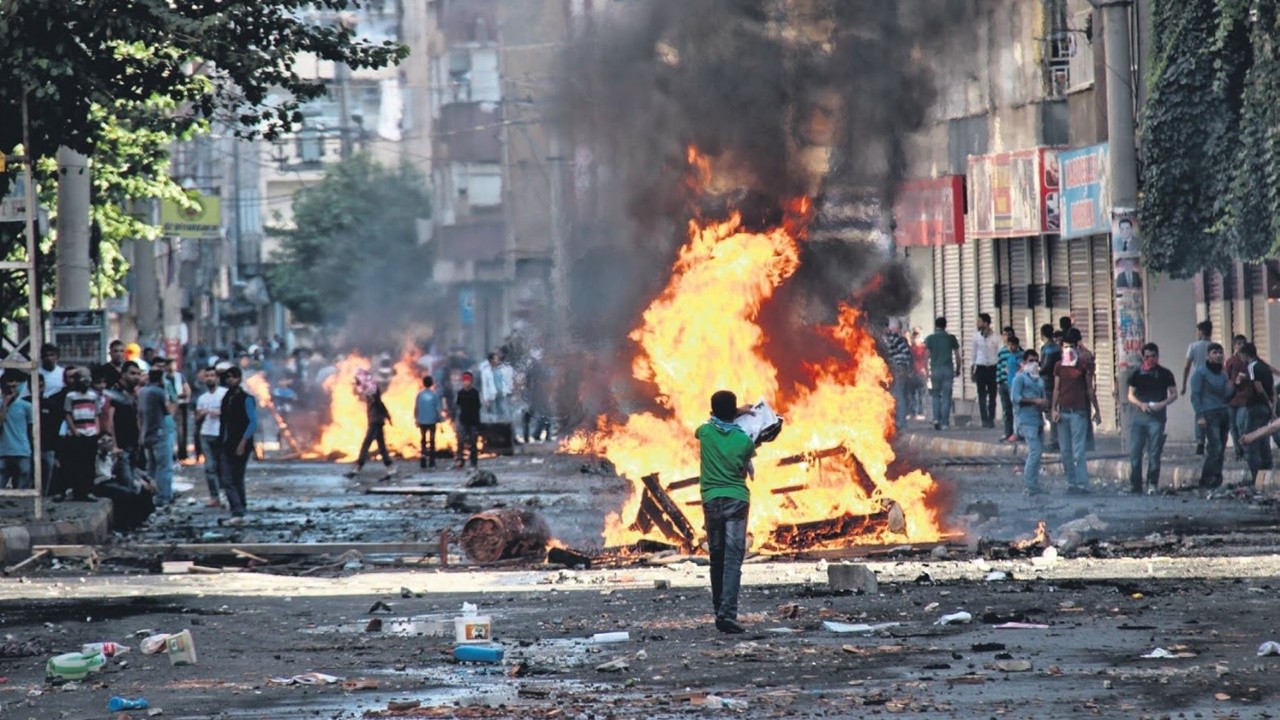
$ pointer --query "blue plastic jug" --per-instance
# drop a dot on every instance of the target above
(478, 653)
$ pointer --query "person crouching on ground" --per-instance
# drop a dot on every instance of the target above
(1027, 393)
(468, 407)
(725, 455)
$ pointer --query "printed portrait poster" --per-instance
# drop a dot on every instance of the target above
(1131, 327)
(1124, 236)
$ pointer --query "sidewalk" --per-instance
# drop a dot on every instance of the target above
(64, 523)
(1180, 466)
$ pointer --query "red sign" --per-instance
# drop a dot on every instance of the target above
(930, 212)
(173, 351)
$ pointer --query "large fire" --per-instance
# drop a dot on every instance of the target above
(832, 459)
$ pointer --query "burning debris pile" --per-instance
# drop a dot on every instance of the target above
(825, 480)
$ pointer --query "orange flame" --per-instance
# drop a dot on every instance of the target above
(700, 335)
(341, 438)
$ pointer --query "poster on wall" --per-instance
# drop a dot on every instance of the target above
(1131, 329)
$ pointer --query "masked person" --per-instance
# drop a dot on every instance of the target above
(1211, 391)
(1027, 394)
(1074, 393)
(1152, 388)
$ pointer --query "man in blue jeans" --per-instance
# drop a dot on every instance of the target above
(1026, 391)
(1152, 388)
(725, 461)
(1073, 395)
(944, 363)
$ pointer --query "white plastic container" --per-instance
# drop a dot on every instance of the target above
(473, 629)
(610, 637)
(182, 648)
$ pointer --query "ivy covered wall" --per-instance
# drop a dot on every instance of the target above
(1211, 135)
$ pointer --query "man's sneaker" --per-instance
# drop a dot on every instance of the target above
(350, 474)
(937, 426)
(1079, 490)
(1032, 491)
(422, 464)
(391, 472)
(236, 521)
(729, 626)
(1200, 448)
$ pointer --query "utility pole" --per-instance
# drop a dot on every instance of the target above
(73, 268)
(1121, 117)
(559, 245)
(1130, 305)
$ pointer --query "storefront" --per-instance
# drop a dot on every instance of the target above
(1086, 244)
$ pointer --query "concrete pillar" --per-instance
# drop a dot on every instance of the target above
(73, 266)
(1169, 305)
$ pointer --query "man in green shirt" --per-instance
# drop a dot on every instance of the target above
(726, 452)
(944, 360)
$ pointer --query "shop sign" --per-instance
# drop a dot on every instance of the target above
(1014, 194)
(930, 212)
(1086, 191)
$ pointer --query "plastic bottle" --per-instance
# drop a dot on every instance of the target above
(116, 704)
(478, 653)
(108, 649)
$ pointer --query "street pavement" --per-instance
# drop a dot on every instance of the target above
(1192, 573)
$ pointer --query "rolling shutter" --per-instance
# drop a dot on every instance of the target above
(968, 313)
(1259, 335)
(1216, 301)
(1059, 278)
(1103, 330)
(1019, 310)
(985, 279)
(1080, 283)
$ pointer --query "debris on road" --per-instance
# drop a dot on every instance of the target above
(956, 618)
(1269, 647)
(504, 533)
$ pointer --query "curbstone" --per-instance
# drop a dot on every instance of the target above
(16, 541)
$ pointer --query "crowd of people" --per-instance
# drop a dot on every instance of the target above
(1048, 397)
(112, 429)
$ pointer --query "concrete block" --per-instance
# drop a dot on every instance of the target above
(857, 578)
(1180, 478)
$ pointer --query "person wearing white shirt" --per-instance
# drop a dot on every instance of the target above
(985, 351)
(209, 422)
(54, 374)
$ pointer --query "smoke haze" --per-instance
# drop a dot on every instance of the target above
(766, 89)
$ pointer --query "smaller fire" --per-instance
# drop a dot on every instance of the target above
(340, 439)
(1040, 539)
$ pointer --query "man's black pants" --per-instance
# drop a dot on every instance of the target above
(373, 435)
(427, 435)
(984, 376)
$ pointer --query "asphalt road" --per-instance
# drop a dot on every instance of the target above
(1195, 576)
